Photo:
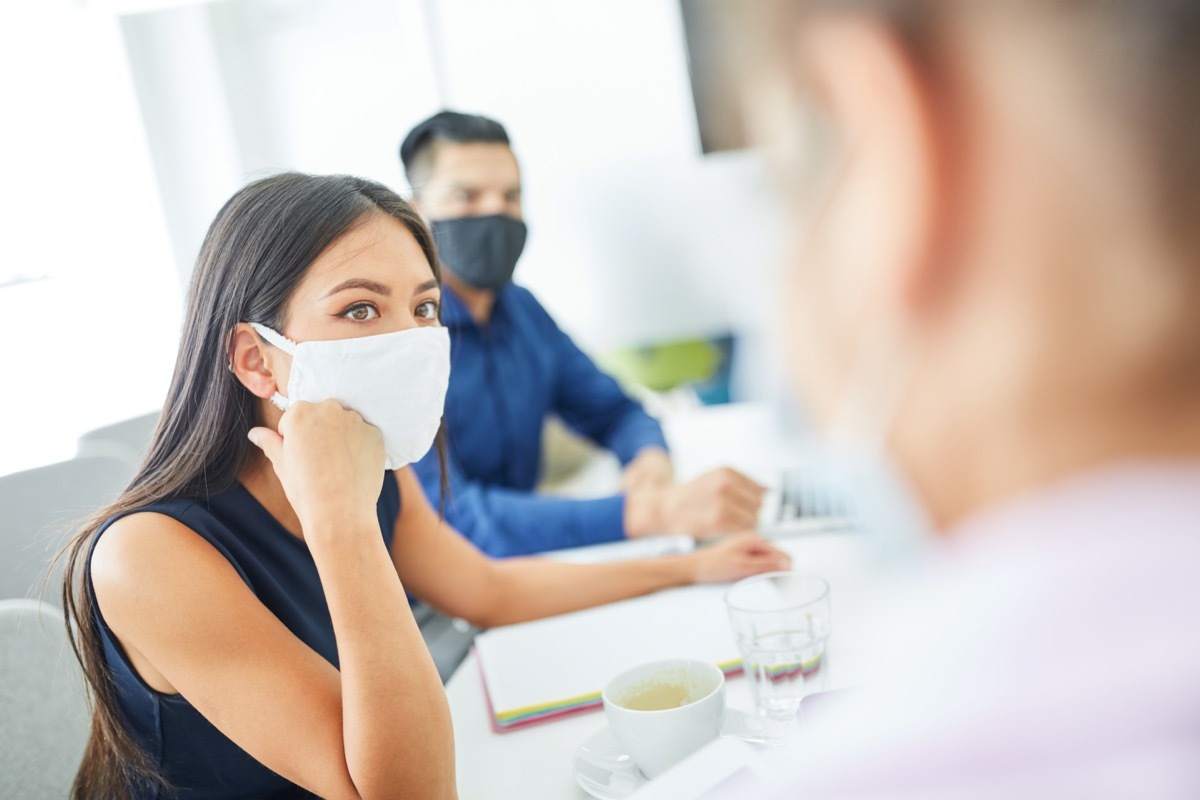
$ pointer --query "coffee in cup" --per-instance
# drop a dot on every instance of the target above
(664, 711)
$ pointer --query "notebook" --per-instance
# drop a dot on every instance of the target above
(545, 669)
(625, 550)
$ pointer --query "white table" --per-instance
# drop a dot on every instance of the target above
(535, 762)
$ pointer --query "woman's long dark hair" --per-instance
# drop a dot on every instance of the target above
(254, 256)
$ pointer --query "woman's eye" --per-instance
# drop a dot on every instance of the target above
(428, 310)
(361, 312)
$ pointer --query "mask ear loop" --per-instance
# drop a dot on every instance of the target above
(278, 339)
(229, 353)
(286, 345)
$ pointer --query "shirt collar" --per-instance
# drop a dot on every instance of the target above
(1155, 498)
(454, 310)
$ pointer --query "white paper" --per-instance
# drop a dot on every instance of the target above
(574, 655)
(723, 768)
(627, 550)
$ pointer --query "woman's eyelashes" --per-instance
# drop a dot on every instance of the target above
(427, 310)
(365, 312)
(360, 312)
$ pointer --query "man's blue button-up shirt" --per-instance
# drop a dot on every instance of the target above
(505, 378)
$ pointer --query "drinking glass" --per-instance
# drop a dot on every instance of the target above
(781, 621)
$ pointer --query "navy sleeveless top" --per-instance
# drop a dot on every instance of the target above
(198, 761)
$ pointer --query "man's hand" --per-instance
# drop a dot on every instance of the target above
(721, 501)
(650, 468)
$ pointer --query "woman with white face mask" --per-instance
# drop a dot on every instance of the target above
(996, 283)
(240, 611)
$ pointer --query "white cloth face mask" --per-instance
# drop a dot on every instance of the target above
(395, 381)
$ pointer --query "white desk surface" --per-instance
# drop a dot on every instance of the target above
(535, 762)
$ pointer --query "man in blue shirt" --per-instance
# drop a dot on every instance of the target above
(511, 367)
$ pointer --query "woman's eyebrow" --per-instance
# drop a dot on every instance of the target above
(432, 283)
(359, 283)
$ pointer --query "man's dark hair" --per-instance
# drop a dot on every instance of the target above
(419, 146)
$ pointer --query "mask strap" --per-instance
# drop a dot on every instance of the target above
(278, 339)
(286, 345)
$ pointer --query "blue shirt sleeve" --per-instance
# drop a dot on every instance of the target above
(505, 522)
(593, 404)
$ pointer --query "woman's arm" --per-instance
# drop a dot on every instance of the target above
(529, 588)
(380, 726)
(443, 569)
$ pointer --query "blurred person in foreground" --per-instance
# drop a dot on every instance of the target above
(513, 367)
(996, 282)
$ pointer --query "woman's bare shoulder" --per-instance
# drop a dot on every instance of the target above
(149, 559)
(141, 542)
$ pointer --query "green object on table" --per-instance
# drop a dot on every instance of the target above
(662, 367)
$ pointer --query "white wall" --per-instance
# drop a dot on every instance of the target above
(324, 86)
(634, 236)
(235, 90)
(94, 340)
(186, 113)
(134, 126)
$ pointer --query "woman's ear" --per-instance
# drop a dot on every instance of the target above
(250, 359)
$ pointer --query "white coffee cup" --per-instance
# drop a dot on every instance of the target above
(656, 736)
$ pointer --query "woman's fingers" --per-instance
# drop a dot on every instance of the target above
(740, 555)
(267, 440)
(329, 461)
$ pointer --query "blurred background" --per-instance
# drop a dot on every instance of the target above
(129, 122)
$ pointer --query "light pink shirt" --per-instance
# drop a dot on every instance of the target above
(1049, 648)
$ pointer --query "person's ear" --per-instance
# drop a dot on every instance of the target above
(254, 362)
(882, 225)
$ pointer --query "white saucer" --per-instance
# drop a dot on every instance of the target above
(605, 771)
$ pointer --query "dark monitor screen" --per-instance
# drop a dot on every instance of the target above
(715, 90)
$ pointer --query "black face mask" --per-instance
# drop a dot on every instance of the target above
(480, 251)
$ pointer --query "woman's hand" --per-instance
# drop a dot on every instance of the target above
(737, 556)
(329, 460)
